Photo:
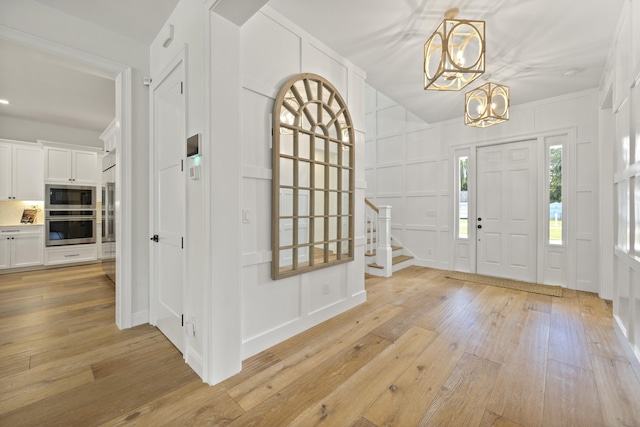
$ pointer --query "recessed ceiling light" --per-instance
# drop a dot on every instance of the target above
(4, 101)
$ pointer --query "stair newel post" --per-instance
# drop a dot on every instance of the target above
(384, 253)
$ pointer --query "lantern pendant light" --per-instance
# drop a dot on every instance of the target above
(486, 105)
(454, 55)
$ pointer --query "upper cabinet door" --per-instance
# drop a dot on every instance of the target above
(5, 172)
(70, 166)
(84, 167)
(28, 173)
(21, 174)
(57, 165)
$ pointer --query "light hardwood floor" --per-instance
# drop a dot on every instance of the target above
(423, 350)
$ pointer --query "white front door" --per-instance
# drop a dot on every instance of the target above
(168, 205)
(506, 211)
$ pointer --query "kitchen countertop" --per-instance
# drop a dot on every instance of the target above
(21, 225)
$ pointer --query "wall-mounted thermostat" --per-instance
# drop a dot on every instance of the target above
(193, 145)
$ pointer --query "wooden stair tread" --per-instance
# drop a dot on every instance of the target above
(396, 260)
(400, 258)
(373, 253)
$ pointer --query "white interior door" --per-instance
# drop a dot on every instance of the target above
(168, 205)
(506, 211)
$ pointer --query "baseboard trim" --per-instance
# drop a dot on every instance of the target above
(194, 360)
(256, 344)
(140, 318)
(632, 354)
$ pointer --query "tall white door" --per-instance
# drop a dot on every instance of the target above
(506, 211)
(168, 205)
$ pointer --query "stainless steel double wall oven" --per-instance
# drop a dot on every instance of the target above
(70, 214)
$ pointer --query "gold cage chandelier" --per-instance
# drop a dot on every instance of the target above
(454, 55)
(486, 105)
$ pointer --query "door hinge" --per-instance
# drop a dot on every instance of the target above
(182, 242)
(182, 316)
(181, 165)
(182, 88)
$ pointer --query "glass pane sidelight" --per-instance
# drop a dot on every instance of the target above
(463, 203)
(555, 194)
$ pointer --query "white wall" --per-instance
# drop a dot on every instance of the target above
(36, 19)
(273, 50)
(410, 165)
(239, 310)
(622, 80)
(31, 131)
(188, 40)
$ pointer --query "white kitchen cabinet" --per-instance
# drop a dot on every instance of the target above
(5, 253)
(70, 166)
(70, 254)
(21, 246)
(21, 171)
(110, 137)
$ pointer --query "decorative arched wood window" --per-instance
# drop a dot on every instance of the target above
(313, 177)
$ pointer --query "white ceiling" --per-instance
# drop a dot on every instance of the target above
(140, 20)
(46, 88)
(531, 44)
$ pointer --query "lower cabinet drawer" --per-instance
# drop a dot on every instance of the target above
(70, 254)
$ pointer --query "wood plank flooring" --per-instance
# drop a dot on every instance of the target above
(423, 350)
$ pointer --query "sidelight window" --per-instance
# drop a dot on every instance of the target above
(463, 197)
(556, 217)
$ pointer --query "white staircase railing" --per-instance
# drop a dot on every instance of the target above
(378, 231)
(371, 227)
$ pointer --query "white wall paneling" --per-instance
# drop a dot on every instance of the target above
(421, 176)
(425, 205)
(622, 78)
(323, 64)
(421, 144)
(635, 39)
(390, 149)
(259, 106)
(261, 70)
(624, 63)
(273, 50)
(390, 121)
(422, 211)
(389, 180)
(423, 243)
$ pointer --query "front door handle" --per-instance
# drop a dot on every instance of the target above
(479, 219)
(479, 226)
(155, 238)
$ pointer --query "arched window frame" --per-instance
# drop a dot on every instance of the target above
(313, 177)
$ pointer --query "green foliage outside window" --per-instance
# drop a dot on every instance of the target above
(555, 174)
